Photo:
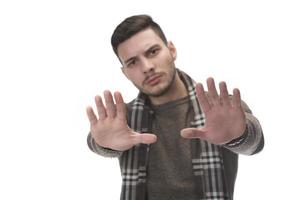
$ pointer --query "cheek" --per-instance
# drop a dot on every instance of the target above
(135, 76)
(167, 59)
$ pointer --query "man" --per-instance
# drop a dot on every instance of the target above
(174, 141)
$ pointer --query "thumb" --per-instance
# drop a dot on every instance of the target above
(145, 138)
(191, 133)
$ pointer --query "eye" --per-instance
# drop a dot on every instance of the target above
(131, 64)
(153, 52)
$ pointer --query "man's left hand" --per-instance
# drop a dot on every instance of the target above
(224, 116)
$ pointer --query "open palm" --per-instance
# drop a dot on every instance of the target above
(224, 116)
(110, 129)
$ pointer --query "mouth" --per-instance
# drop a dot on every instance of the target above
(153, 80)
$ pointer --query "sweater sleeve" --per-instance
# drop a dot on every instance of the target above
(101, 150)
(252, 140)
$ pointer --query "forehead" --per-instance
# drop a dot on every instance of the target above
(138, 43)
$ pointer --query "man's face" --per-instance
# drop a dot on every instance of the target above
(148, 62)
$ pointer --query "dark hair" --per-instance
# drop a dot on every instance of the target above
(131, 26)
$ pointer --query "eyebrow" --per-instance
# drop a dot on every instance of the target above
(146, 53)
(155, 46)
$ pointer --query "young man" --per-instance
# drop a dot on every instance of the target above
(174, 141)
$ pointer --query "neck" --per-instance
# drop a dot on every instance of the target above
(176, 91)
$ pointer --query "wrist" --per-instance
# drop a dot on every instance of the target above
(237, 141)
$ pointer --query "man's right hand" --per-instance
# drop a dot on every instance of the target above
(110, 129)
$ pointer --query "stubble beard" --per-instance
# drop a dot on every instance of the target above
(164, 90)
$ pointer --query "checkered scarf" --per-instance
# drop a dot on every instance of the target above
(206, 160)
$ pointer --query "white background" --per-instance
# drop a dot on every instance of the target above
(55, 56)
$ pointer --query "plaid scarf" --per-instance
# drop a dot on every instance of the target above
(207, 160)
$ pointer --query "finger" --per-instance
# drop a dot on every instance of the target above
(203, 101)
(145, 138)
(224, 94)
(121, 107)
(100, 107)
(212, 91)
(91, 115)
(236, 99)
(110, 105)
(191, 133)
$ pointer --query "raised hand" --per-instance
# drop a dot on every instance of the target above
(224, 117)
(110, 129)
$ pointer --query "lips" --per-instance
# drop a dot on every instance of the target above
(153, 80)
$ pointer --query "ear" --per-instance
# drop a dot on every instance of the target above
(172, 49)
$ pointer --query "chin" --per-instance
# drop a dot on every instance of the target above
(157, 92)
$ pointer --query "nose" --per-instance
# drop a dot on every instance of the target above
(147, 65)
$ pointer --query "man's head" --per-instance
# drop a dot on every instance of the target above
(147, 57)
(131, 26)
